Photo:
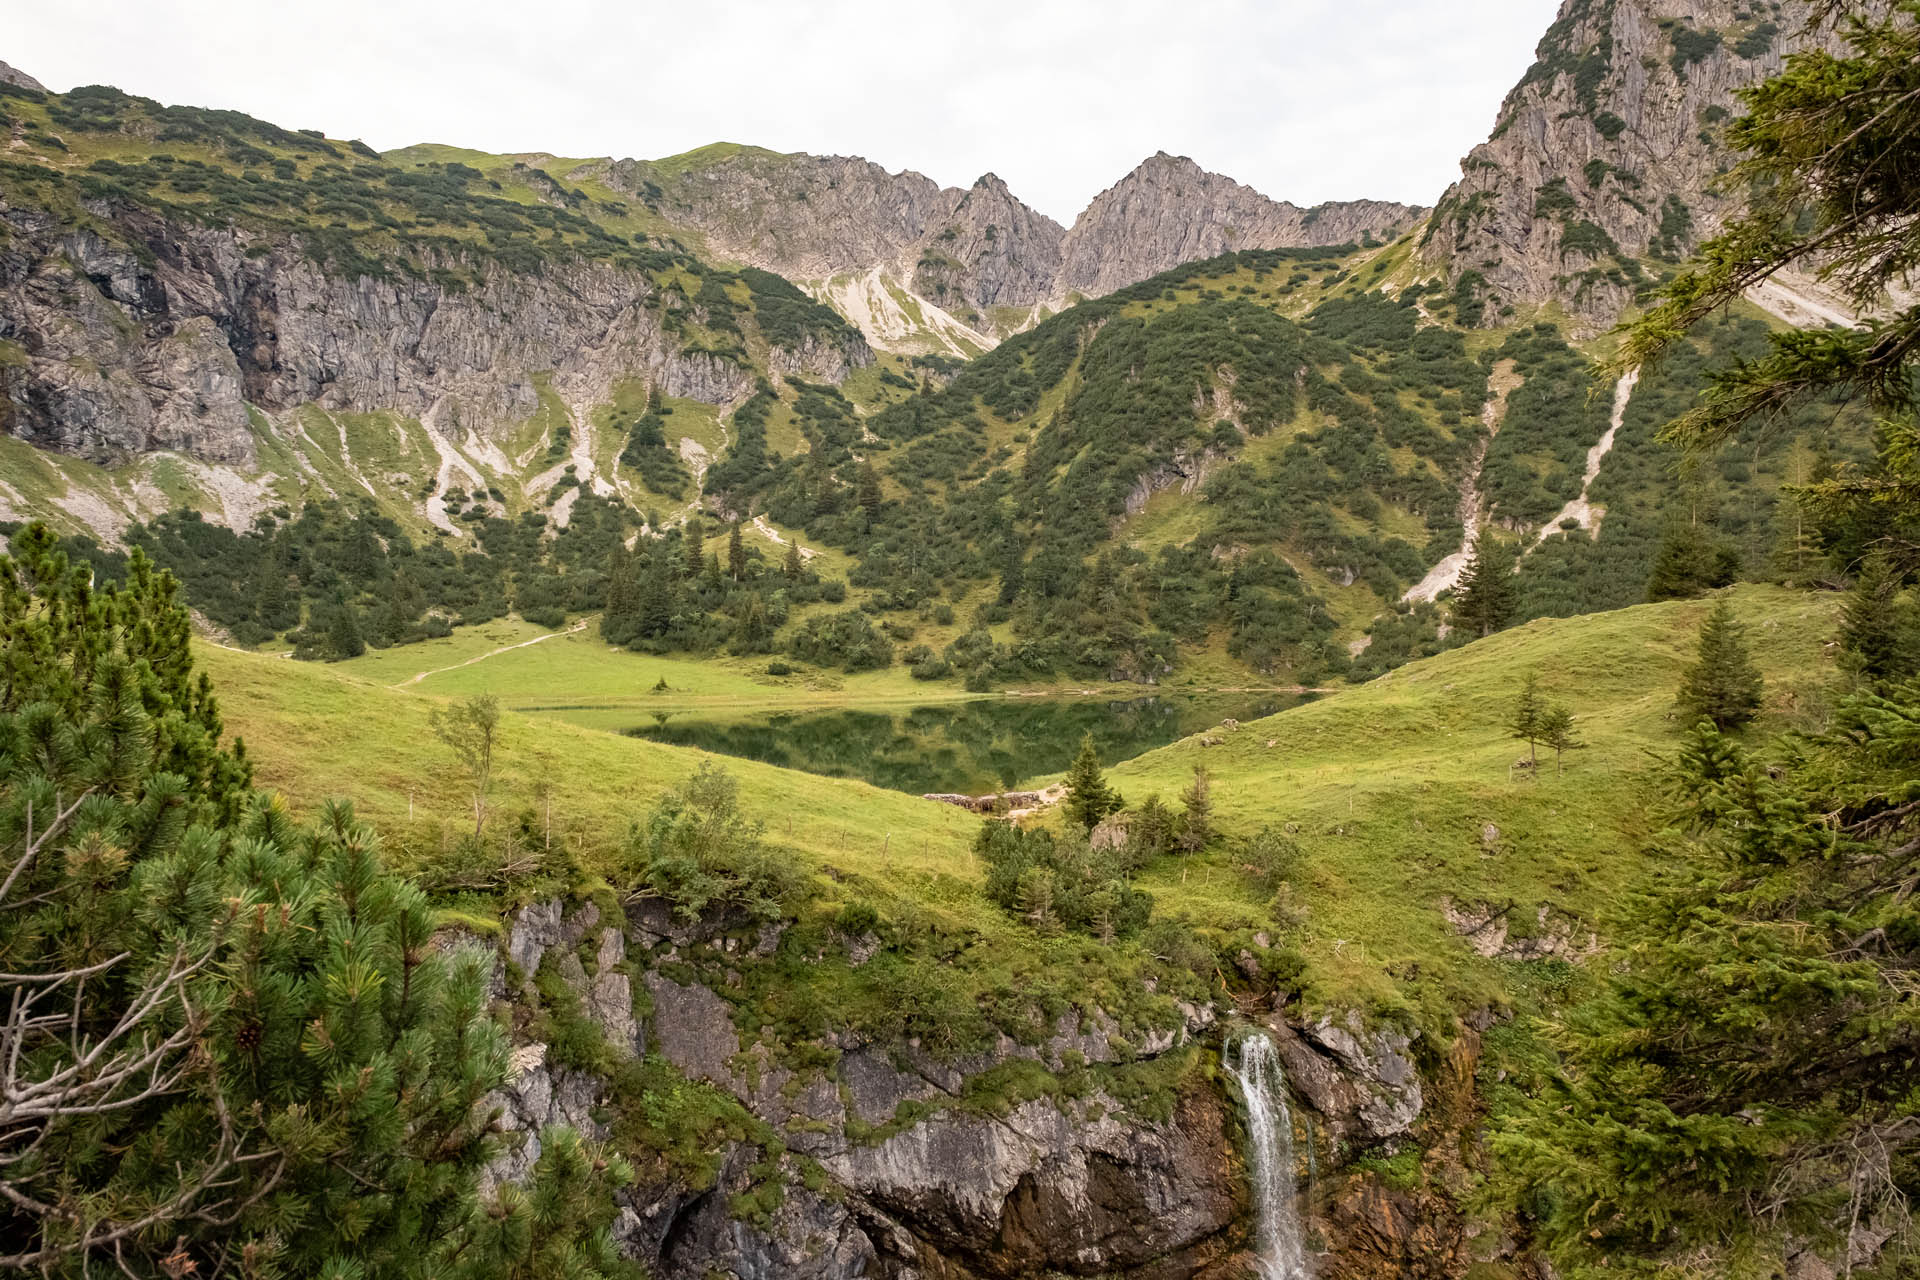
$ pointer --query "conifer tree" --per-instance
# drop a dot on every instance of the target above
(1680, 566)
(653, 613)
(1722, 685)
(1151, 831)
(343, 632)
(1877, 628)
(1527, 719)
(619, 618)
(1196, 814)
(1752, 1034)
(693, 544)
(1557, 732)
(233, 1046)
(1089, 798)
(792, 565)
(1483, 598)
(736, 554)
(868, 493)
(1740, 1087)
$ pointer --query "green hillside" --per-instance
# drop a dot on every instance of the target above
(1388, 789)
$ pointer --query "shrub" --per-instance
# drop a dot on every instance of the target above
(846, 640)
(697, 850)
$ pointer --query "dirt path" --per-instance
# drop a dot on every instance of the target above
(492, 653)
(1580, 510)
(772, 535)
(1502, 382)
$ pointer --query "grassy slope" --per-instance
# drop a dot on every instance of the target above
(315, 732)
(1389, 788)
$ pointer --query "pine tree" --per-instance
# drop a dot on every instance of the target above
(556, 1225)
(736, 554)
(239, 1038)
(1722, 685)
(1483, 598)
(793, 565)
(1877, 629)
(1089, 798)
(1528, 717)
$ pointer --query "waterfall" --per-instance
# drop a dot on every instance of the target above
(1254, 1064)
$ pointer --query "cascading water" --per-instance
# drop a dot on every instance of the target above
(1254, 1064)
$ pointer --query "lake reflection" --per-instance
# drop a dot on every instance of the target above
(972, 747)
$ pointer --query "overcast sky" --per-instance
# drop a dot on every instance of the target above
(1306, 100)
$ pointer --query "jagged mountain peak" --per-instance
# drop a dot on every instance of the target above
(1607, 152)
(19, 79)
(1170, 210)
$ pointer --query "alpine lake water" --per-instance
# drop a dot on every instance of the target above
(971, 747)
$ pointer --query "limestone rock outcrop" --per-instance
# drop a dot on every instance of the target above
(1607, 152)
(19, 79)
(162, 337)
(1169, 210)
(970, 252)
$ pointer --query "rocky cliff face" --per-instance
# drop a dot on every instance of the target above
(161, 337)
(805, 217)
(969, 253)
(1170, 210)
(18, 78)
(890, 1160)
(991, 251)
(1606, 152)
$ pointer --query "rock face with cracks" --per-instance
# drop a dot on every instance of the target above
(909, 1178)
(1607, 152)
(162, 335)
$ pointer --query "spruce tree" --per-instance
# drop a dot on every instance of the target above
(1528, 717)
(1557, 732)
(793, 564)
(693, 544)
(1877, 628)
(1722, 685)
(1682, 564)
(619, 619)
(736, 554)
(1089, 798)
(343, 632)
(654, 609)
(868, 493)
(1483, 597)
(1196, 814)
(1739, 1090)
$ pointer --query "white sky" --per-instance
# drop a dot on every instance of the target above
(1306, 100)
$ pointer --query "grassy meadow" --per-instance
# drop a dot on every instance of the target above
(1400, 793)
